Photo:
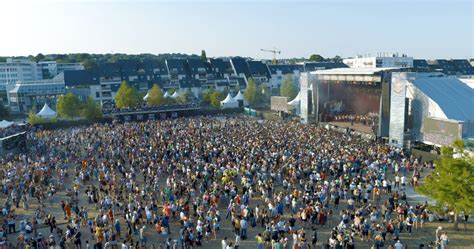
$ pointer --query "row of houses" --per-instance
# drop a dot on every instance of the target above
(450, 67)
(52, 79)
(103, 82)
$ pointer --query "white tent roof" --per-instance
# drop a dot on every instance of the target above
(228, 99)
(453, 98)
(239, 96)
(296, 100)
(4, 124)
(166, 95)
(46, 112)
(174, 95)
(146, 97)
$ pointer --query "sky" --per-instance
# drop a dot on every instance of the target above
(418, 28)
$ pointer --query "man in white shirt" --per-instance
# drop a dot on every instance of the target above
(224, 243)
(398, 245)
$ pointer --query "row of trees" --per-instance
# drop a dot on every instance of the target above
(319, 58)
(91, 61)
(254, 93)
(127, 96)
(213, 97)
(69, 106)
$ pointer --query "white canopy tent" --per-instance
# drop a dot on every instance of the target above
(296, 100)
(166, 95)
(239, 96)
(46, 112)
(442, 96)
(146, 96)
(174, 95)
(5, 124)
(295, 104)
(229, 102)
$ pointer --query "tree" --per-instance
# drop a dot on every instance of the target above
(89, 64)
(288, 88)
(452, 183)
(68, 106)
(39, 57)
(155, 96)
(216, 98)
(203, 55)
(316, 58)
(171, 91)
(126, 96)
(250, 93)
(337, 59)
(206, 97)
(4, 111)
(91, 109)
(185, 97)
(35, 119)
(264, 93)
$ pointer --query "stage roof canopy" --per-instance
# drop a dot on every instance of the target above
(454, 98)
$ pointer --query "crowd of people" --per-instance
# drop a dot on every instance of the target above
(369, 119)
(145, 108)
(178, 183)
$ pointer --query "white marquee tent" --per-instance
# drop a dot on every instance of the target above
(5, 124)
(229, 102)
(46, 112)
(295, 101)
(166, 95)
(442, 96)
(174, 95)
(146, 96)
(239, 96)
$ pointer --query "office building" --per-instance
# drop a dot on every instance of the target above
(14, 70)
(25, 96)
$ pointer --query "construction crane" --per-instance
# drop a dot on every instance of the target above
(274, 51)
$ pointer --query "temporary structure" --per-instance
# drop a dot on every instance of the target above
(229, 102)
(146, 96)
(166, 95)
(240, 99)
(239, 96)
(174, 95)
(442, 96)
(46, 112)
(5, 124)
(295, 101)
